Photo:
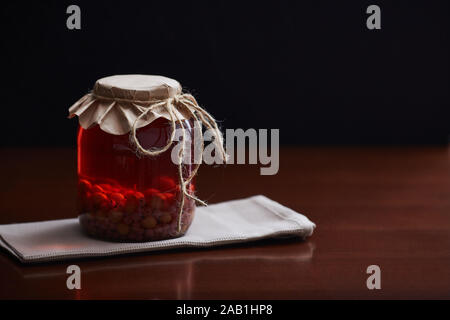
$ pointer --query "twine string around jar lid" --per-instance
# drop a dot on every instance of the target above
(172, 104)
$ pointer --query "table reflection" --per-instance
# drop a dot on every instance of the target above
(178, 274)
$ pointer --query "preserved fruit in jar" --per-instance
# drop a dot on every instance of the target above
(130, 188)
(125, 197)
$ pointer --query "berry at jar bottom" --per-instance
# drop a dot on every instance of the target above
(112, 212)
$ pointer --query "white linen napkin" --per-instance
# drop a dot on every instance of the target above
(234, 221)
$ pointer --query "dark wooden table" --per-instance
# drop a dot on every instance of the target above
(384, 206)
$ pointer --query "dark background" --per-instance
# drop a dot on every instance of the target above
(329, 79)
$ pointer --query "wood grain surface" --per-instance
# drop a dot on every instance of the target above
(388, 206)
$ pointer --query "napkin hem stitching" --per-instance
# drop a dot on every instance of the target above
(53, 256)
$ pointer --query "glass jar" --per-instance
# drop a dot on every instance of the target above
(123, 194)
(125, 197)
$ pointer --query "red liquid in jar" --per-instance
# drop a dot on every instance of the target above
(124, 197)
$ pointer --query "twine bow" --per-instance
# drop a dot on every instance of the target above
(171, 104)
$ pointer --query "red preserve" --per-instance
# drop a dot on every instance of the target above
(124, 195)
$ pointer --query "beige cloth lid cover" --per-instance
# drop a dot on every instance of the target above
(116, 102)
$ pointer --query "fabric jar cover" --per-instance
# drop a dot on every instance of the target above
(117, 101)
